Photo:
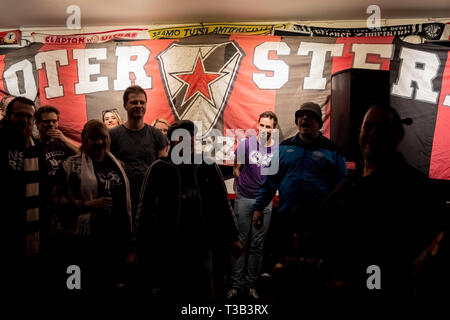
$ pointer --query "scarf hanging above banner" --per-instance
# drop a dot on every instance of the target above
(84, 38)
(430, 31)
(225, 82)
(179, 32)
(9, 37)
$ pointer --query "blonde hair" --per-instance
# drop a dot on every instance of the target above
(162, 120)
(114, 112)
(91, 128)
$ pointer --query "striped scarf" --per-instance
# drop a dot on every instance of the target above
(31, 178)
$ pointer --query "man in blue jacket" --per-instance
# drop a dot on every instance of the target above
(309, 169)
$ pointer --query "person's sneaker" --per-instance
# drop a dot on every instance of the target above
(253, 294)
(233, 293)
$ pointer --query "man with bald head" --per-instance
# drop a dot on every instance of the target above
(385, 214)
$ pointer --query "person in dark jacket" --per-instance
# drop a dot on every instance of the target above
(381, 221)
(20, 198)
(309, 168)
(186, 224)
(54, 147)
(93, 198)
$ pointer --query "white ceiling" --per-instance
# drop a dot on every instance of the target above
(52, 13)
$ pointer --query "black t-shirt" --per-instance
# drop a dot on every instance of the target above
(51, 156)
(109, 225)
(109, 184)
(54, 153)
(137, 150)
(107, 174)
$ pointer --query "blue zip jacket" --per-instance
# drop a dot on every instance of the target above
(306, 174)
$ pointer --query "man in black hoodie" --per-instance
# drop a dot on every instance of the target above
(186, 225)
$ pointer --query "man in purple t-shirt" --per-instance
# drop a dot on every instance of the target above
(252, 155)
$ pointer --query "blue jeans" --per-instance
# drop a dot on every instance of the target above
(245, 269)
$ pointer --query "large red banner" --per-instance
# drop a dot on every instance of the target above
(225, 82)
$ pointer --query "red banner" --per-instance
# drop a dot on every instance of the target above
(225, 82)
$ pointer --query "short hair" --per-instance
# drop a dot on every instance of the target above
(132, 89)
(397, 122)
(45, 109)
(161, 120)
(113, 111)
(270, 115)
(18, 99)
(91, 128)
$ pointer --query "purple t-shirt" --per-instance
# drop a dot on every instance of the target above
(256, 157)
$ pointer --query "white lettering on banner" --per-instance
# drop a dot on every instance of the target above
(50, 58)
(125, 65)
(417, 69)
(85, 70)
(12, 79)
(420, 67)
(361, 51)
(316, 81)
(279, 68)
(447, 101)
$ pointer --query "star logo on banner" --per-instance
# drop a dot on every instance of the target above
(199, 81)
